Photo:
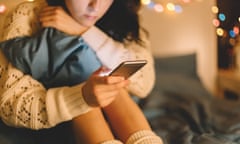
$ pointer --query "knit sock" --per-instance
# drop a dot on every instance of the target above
(144, 137)
(112, 142)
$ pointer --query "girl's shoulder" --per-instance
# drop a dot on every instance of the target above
(22, 20)
(27, 8)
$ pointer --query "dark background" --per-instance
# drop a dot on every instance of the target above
(231, 8)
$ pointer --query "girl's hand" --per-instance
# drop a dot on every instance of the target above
(102, 90)
(57, 18)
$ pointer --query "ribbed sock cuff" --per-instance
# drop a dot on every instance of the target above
(112, 142)
(144, 137)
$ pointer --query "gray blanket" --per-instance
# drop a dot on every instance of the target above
(182, 111)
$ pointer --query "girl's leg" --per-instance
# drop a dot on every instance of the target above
(125, 117)
(91, 128)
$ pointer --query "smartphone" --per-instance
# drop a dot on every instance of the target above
(128, 68)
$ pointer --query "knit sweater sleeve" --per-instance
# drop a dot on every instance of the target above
(24, 102)
(111, 53)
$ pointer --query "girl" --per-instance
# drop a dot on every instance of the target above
(87, 101)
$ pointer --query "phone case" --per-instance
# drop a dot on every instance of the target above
(128, 68)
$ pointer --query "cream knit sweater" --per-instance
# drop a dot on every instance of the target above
(24, 102)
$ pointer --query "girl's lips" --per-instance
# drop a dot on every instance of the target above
(91, 17)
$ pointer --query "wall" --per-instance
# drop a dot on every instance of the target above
(187, 32)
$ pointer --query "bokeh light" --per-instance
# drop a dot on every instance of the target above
(222, 17)
(158, 8)
(145, 2)
(236, 30)
(151, 5)
(216, 22)
(220, 32)
(232, 41)
(170, 6)
(2, 8)
(232, 34)
(186, 1)
(178, 9)
(215, 9)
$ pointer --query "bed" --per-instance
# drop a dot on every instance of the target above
(182, 111)
(179, 109)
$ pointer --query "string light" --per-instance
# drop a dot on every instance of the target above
(151, 5)
(232, 34)
(186, 1)
(220, 32)
(178, 8)
(2, 8)
(170, 6)
(221, 17)
(236, 30)
(158, 8)
(216, 22)
(215, 9)
(145, 2)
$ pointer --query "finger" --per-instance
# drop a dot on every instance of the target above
(104, 71)
(49, 24)
(107, 98)
(119, 85)
(102, 100)
(104, 88)
(52, 13)
(51, 10)
(101, 70)
(114, 79)
(107, 80)
(107, 102)
(48, 20)
(52, 21)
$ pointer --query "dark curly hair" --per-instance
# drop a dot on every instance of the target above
(121, 21)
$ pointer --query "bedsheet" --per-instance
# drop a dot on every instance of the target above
(182, 111)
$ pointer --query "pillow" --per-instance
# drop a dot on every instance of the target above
(171, 83)
(184, 64)
(176, 81)
(176, 75)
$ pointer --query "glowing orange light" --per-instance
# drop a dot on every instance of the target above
(2, 8)
(236, 30)
(186, 1)
(232, 41)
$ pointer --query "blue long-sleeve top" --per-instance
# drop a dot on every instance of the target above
(52, 57)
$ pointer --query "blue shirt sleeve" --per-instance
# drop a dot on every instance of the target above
(52, 57)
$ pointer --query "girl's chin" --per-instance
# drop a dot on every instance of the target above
(87, 24)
